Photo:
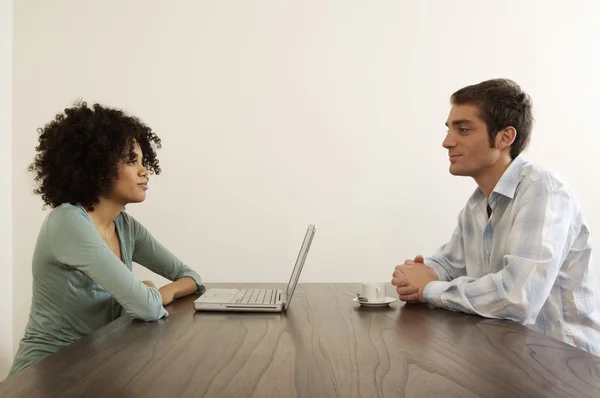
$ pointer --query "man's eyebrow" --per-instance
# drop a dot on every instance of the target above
(459, 122)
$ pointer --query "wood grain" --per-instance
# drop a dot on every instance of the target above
(324, 346)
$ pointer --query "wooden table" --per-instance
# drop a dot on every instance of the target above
(324, 346)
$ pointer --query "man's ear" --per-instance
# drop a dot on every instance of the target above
(506, 137)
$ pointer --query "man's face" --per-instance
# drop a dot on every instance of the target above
(468, 142)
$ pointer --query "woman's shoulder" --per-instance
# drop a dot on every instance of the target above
(128, 224)
(126, 219)
(67, 214)
(62, 226)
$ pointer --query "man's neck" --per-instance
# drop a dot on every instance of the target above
(488, 179)
(104, 214)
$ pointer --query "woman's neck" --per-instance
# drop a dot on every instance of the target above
(104, 214)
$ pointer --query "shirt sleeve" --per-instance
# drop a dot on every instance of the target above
(449, 260)
(537, 245)
(149, 253)
(75, 242)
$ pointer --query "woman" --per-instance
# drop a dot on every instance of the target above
(91, 163)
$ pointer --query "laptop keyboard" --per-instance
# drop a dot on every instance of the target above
(255, 296)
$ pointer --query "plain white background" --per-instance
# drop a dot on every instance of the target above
(6, 262)
(274, 115)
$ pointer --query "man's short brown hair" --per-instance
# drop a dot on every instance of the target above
(502, 104)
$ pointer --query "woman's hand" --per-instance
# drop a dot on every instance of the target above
(149, 284)
(167, 293)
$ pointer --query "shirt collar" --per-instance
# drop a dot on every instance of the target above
(506, 185)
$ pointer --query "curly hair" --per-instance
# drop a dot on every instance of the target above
(79, 153)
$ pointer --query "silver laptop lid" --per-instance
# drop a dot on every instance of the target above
(289, 291)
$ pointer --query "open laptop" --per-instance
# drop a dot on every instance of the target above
(257, 300)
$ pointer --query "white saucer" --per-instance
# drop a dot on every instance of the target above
(387, 301)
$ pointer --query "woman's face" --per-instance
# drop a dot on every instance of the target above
(132, 182)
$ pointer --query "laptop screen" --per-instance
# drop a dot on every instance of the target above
(289, 291)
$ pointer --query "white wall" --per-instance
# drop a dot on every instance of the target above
(6, 258)
(278, 114)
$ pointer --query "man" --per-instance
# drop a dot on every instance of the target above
(521, 250)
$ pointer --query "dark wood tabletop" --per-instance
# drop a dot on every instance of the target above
(324, 346)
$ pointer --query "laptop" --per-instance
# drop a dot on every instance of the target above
(257, 300)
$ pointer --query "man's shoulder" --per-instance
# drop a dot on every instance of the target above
(537, 180)
(536, 174)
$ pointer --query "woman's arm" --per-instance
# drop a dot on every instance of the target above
(149, 253)
(74, 242)
(180, 288)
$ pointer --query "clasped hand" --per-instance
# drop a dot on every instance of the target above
(411, 278)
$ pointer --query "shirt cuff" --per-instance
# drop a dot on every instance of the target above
(439, 270)
(200, 288)
(433, 292)
(164, 313)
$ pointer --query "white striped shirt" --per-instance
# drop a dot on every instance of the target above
(530, 262)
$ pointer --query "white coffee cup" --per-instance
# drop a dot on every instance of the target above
(374, 292)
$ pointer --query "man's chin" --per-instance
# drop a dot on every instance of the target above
(457, 171)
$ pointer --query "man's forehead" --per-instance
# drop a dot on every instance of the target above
(464, 114)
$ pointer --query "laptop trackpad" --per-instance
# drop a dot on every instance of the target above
(219, 295)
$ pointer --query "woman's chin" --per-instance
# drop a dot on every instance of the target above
(137, 198)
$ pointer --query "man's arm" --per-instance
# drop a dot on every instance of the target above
(449, 260)
(536, 248)
(446, 264)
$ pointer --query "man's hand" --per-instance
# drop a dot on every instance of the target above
(168, 294)
(411, 278)
(407, 293)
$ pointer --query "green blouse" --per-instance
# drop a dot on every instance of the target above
(79, 285)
